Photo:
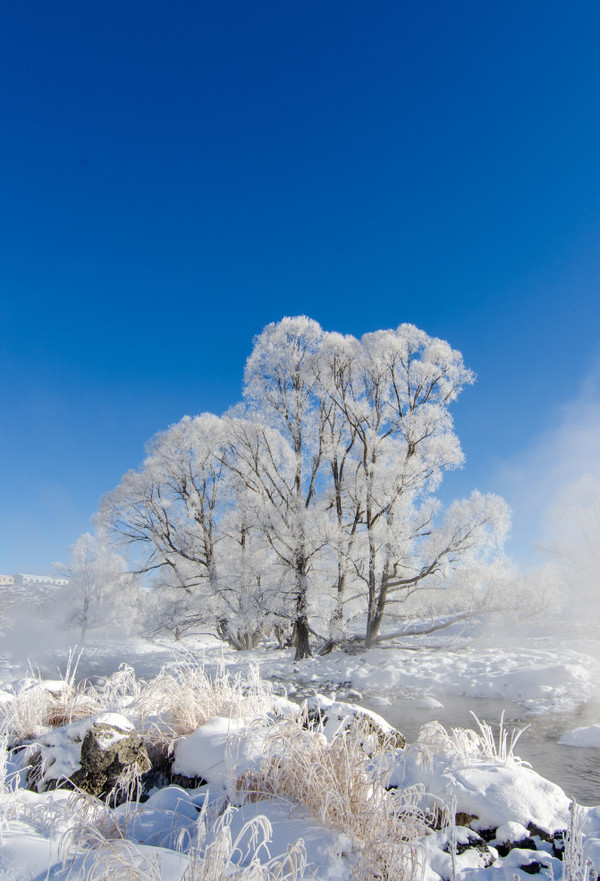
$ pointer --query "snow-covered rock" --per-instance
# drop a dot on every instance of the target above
(331, 717)
(214, 752)
(584, 737)
(491, 792)
(91, 755)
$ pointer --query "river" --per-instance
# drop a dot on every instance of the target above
(574, 769)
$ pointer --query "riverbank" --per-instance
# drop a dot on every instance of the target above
(328, 792)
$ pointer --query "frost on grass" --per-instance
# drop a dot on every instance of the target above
(468, 744)
(490, 784)
(39, 704)
(179, 700)
(96, 847)
(343, 785)
(374, 810)
(219, 855)
(185, 697)
(97, 840)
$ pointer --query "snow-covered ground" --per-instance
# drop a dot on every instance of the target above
(543, 675)
(496, 797)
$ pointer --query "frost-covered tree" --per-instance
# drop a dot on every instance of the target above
(288, 521)
(170, 508)
(393, 389)
(252, 600)
(281, 390)
(188, 512)
(338, 439)
(101, 593)
(317, 495)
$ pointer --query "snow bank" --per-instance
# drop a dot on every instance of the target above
(493, 792)
(490, 793)
(553, 679)
(215, 751)
(585, 737)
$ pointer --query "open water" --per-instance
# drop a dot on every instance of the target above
(574, 769)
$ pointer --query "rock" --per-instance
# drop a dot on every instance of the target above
(98, 755)
(558, 844)
(34, 772)
(534, 829)
(465, 841)
(505, 848)
(187, 782)
(468, 841)
(111, 756)
(385, 734)
(487, 855)
(513, 835)
(332, 717)
(532, 868)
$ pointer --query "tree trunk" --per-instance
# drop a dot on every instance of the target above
(301, 639)
(375, 616)
(372, 622)
(373, 625)
(301, 631)
(337, 618)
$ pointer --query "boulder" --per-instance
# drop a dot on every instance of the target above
(112, 755)
(332, 717)
(100, 755)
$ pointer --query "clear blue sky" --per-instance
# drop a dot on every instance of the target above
(173, 177)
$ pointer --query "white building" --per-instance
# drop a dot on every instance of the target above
(45, 580)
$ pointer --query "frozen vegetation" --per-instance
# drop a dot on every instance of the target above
(224, 776)
(262, 582)
(308, 511)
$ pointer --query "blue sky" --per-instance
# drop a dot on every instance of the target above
(173, 178)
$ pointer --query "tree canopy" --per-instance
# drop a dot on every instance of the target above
(309, 510)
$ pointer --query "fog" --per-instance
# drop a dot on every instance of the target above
(553, 487)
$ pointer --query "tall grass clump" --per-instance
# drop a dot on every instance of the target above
(576, 867)
(96, 847)
(467, 744)
(344, 788)
(181, 699)
(35, 708)
(175, 703)
(119, 691)
(93, 834)
(241, 857)
(4, 789)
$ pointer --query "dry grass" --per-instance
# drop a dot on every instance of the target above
(469, 745)
(342, 783)
(175, 703)
(4, 789)
(120, 690)
(241, 857)
(91, 820)
(344, 788)
(576, 867)
(183, 698)
(96, 847)
(34, 708)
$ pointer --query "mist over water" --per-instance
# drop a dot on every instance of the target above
(553, 487)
